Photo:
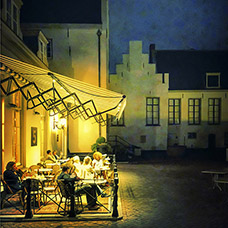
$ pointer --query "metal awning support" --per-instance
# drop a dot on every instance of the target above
(58, 94)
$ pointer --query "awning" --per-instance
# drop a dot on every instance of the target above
(57, 93)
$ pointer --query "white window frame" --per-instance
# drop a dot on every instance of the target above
(42, 49)
(207, 80)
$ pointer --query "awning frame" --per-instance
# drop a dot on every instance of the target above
(50, 98)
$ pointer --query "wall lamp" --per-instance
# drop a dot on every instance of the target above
(60, 124)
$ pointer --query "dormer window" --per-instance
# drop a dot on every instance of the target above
(213, 80)
(42, 47)
(12, 15)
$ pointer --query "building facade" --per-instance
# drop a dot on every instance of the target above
(79, 51)
(29, 57)
(16, 120)
(160, 114)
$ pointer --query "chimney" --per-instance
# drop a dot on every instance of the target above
(152, 53)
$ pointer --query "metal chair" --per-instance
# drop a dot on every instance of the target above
(8, 195)
(36, 192)
(65, 195)
(51, 188)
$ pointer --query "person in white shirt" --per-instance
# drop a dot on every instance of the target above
(78, 165)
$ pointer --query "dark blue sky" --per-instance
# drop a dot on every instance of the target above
(169, 24)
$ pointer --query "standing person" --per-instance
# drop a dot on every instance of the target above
(89, 190)
(50, 157)
(12, 176)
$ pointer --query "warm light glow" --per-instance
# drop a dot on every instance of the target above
(63, 122)
(3, 133)
(57, 123)
(86, 127)
(52, 122)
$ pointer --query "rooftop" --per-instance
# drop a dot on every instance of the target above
(59, 11)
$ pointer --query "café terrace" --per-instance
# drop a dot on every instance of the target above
(62, 98)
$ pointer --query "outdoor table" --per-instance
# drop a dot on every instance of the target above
(51, 164)
(94, 181)
(40, 178)
(63, 160)
(221, 181)
(43, 170)
(215, 175)
(103, 168)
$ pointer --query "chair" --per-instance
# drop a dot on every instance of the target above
(65, 195)
(52, 187)
(36, 191)
(33, 169)
(8, 195)
(65, 190)
(55, 169)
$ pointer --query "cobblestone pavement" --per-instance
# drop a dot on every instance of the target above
(161, 194)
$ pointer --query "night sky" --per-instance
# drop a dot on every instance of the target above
(170, 25)
(61, 11)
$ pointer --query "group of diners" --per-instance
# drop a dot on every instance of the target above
(87, 169)
(72, 170)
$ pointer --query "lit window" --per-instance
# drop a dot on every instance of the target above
(152, 111)
(213, 80)
(194, 111)
(117, 122)
(214, 109)
(174, 111)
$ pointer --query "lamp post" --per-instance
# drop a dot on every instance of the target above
(99, 33)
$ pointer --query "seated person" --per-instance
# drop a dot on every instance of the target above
(50, 157)
(97, 163)
(56, 156)
(97, 160)
(78, 166)
(12, 176)
(89, 190)
(87, 169)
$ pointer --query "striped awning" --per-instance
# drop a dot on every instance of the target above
(57, 93)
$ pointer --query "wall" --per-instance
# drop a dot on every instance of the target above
(180, 132)
(137, 80)
(75, 54)
(33, 153)
(12, 46)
